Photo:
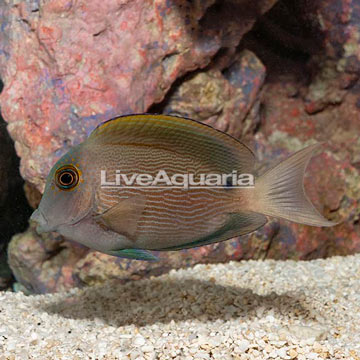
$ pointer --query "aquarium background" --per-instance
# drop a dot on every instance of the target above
(279, 75)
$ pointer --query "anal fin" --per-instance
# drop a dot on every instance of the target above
(134, 254)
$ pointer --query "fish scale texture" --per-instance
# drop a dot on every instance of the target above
(239, 310)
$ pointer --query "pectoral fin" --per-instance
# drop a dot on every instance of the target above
(123, 217)
(135, 254)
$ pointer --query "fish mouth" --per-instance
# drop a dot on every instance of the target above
(43, 224)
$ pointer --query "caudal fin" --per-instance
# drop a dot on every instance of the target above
(280, 191)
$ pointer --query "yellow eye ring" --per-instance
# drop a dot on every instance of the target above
(67, 177)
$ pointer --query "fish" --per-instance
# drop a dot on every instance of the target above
(90, 196)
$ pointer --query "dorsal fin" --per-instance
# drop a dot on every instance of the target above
(183, 136)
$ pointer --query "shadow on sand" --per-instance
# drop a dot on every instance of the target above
(161, 300)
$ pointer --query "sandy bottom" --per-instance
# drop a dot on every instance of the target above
(239, 310)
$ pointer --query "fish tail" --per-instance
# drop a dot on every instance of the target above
(280, 191)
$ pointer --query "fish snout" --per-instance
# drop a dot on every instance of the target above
(40, 219)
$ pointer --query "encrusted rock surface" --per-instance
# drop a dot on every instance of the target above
(69, 65)
(44, 264)
(339, 63)
(227, 100)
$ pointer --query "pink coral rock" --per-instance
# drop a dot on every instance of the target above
(68, 65)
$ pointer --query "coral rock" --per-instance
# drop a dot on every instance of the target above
(67, 66)
(223, 99)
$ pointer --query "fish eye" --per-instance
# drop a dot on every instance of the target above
(67, 177)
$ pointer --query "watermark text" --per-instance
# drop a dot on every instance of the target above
(184, 181)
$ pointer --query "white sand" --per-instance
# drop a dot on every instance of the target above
(246, 310)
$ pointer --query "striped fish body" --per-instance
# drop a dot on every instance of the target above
(81, 202)
(168, 217)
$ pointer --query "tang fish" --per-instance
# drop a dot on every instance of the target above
(91, 195)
